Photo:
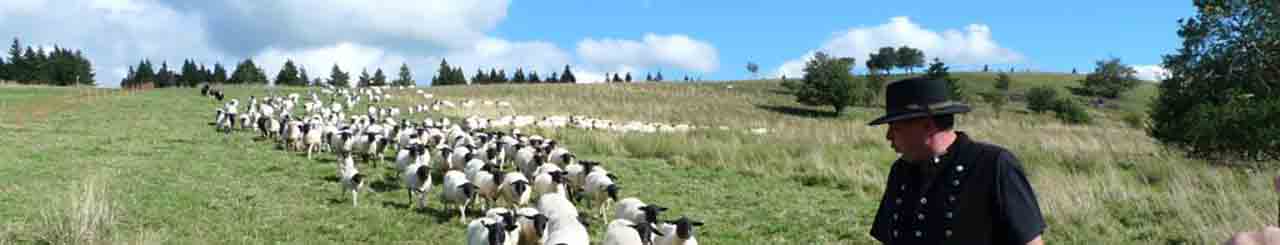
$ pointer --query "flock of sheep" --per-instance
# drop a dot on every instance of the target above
(527, 185)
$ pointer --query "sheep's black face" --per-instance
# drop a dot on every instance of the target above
(558, 177)
(612, 190)
(469, 190)
(540, 224)
(518, 188)
(423, 172)
(509, 220)
(567, 158)
(588, 165)
(469, 156)
(646, 232)
(496, 235)
(651, 212)
(684, 227)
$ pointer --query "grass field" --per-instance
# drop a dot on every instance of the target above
(145, 167)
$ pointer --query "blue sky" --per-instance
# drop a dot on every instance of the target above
(711, 39)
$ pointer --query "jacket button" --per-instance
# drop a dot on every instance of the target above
(898, 201)
(920, 216)
(924, 200)
(959, 168)
(919, 234)
(948, 232)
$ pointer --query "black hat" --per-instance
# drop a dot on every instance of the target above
(917, 97)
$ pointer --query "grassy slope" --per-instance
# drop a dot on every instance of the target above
(814, 180)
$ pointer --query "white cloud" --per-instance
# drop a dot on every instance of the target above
(653, 50)
(1153, 73)
(113, 34)
(972, 46)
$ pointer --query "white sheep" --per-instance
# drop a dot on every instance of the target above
(487, 181)
(352, 179)
(600, 190)
(313, 137)
(550, 182)
(458, 191)
(511, 223)
(533, 226)
(515, 189)
(625, 232)
(678, 232)
(556, 206)
(486, 231)
(417, 181)
(565, 231)
(637, 211)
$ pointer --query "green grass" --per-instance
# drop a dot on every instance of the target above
(167, 177)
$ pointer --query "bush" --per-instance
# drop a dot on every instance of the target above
(1071, 111)
(1041, 99)
(1219, 100)
(828, 81)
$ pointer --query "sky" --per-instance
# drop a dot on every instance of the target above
(706, 39)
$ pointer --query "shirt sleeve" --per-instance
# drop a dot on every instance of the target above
(880, 227)
(1017, 207)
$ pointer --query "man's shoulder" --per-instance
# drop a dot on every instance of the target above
(996, 154)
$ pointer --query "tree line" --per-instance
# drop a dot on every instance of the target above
(57, 67)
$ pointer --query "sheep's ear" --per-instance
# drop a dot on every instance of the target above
(695, 223)
(655, 230)
(611, 176)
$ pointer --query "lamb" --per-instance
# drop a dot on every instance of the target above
(487, 181)
(515, 189)
(458, 191)
(313, 138)
(533, 226)
(417, 181)
(600, 190)
(682, 229)
(550, 182)
(525, 159)
(509, 219)
(352, 179)
(486, 231)
(458, 160)
(410, 155)
(565, 231)
(637, 211)
(556, 206)
(625, 232)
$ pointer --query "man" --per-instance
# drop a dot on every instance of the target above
(947, 188)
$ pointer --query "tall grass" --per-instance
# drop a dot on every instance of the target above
(85, 217)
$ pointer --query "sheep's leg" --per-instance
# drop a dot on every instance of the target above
(462, 211)
(410, 191)
(355, 198)
(309, 147)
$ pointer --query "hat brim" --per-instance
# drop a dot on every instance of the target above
(952, 109)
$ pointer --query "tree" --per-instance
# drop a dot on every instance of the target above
(908, 58)
(553, 78)
(985, 68)
(828, 81)
(628, 77)
(648, 77)
(886, 58)
(406, 77)
(1110, 79)
(17, 64)
(288, 75)
(246, 72)
(1041, 99)
(938, 70)
(533, 77)
(753, 68)
(658, 78)
(379, 79)
(144, 74)
(616, 79)
(165, 77)
(338, 78)
(219, 73)
(445, 75)
(1220, 99)
(567, 76)
(874, 85)
(492, 77)
(518, 77)
(457, 76)
(303, 79)
(364, 78)
(1073, 71)
(1000, 96)
(190, 74)
(502, 76)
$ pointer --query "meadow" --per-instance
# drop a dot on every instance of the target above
(85, 165)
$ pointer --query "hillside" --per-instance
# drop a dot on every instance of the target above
(165, 176)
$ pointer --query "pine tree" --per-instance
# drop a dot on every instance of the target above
(616, 79)
(658, 78)
(189, 73)
(379, 79)
(648, 77)
(443, 74)
(406, 77)
(337, 78)
(303, 79)
(16, 64)
(567, 76)
(457, 76)
(493, 76)
(553, 78)
(518, 77)
(165, 77)
(479, 77)
(144, 73)
(247, 73)
(628, 77)
(288, 75)
(219, 74)
(502, 76)
(364, 78)
(533, 77)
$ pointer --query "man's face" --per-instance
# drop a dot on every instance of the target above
(911, 137)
